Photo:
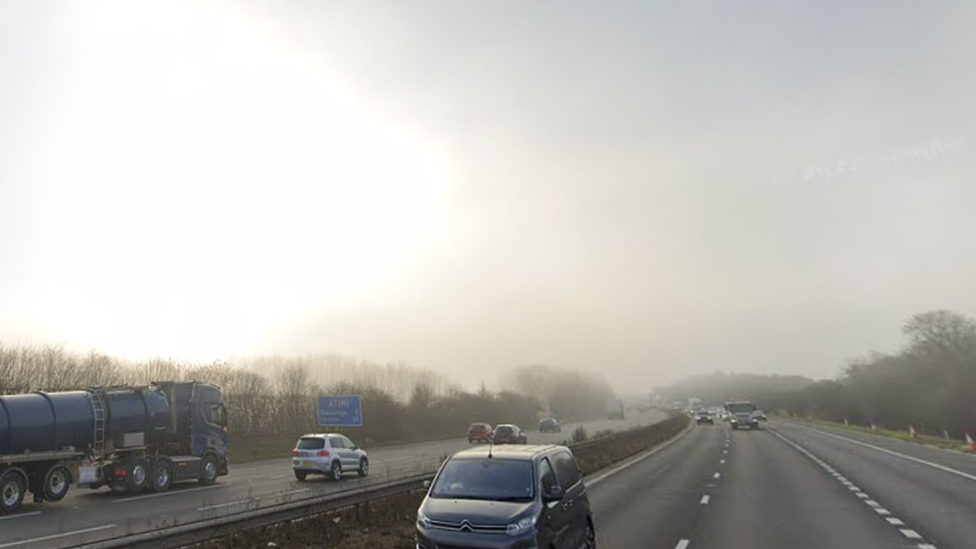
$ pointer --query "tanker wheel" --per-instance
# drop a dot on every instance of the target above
(137, 475)
(209, 470)
(162, 476)
(13, 486)
(56, 481)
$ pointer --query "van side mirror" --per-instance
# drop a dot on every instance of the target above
(555, 493)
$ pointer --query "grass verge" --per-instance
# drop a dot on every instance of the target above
(389, 523)
(927, 440)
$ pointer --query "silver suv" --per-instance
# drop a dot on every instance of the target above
(328, 454)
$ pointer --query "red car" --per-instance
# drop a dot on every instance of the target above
(480, 432)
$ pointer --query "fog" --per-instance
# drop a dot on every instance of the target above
(647, 191)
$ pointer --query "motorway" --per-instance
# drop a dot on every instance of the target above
(85, 516)
(788, 485)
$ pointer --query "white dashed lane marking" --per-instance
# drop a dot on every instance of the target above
(705, 499)
(22, 515)
(717, 475)
(894, 521)
(683, 544)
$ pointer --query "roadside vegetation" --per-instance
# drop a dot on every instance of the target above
(929, 385)
(272, 400)
(919, 438)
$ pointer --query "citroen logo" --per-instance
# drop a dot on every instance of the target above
(465, 525)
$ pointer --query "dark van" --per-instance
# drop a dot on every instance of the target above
(506, 498)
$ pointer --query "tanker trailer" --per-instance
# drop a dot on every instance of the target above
(128, 438)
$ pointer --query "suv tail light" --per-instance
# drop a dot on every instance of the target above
(323, 453)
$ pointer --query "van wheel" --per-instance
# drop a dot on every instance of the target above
(13, 486)
(590, 536)
(56, 481)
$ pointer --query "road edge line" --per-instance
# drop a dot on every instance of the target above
(906, 457)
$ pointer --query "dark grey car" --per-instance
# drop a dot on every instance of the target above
(512, 497)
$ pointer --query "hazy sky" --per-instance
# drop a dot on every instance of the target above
(645, 189)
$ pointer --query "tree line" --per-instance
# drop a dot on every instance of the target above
(277, 396)
(929, 383)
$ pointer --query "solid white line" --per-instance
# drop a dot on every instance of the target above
(56, 536)
(704, 499)
(275, 476)
(911, 534)
(219, 505)
(637, 459)
(172, 493)
(897, 454)
(683, 544)
(296, 491)
(716, 475)
(895, 521)
(22, 515)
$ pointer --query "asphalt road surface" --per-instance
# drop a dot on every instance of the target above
(787, 485)
(85, 516)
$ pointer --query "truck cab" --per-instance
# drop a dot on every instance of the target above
(741, 414)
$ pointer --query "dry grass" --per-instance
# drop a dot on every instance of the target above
(927, 440)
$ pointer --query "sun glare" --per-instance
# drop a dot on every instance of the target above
(221, 185)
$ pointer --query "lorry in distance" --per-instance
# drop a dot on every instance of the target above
(615, 408)
(131, 439)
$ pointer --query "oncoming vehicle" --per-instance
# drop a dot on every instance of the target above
(704, 417)
(480, 432)
(328, 454)
(550, 425)
(507, 498)
(509, 434)
(741, 414)
(129, 438)
(760, 415)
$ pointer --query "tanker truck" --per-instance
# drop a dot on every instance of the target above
(131, 439)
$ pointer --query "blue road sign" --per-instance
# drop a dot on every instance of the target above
(340, 411)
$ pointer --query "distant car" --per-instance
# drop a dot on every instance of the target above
(509, 434)
(550, 425)
(328, 454)
(530, 496)
(704, 417)
(760, 415)
(480, 432)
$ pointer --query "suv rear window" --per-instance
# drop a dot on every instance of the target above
(311, 443)
(504, 431)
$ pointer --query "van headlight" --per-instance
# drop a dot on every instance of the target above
(524, 525)
(422, 520)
